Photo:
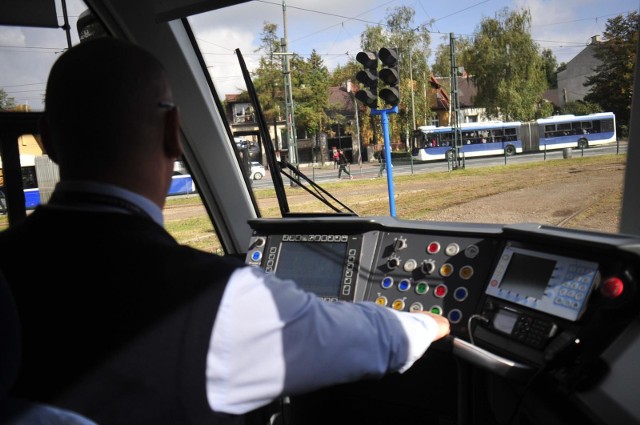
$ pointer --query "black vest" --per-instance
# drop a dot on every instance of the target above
(116, 316)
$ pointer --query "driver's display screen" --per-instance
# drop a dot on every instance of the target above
(527, 275)
(316, 267)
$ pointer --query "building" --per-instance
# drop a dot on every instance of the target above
(571, 81)
(442, 104)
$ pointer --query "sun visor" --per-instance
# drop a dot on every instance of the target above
(32, 13)
(168, 10)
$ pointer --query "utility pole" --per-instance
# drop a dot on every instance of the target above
(289, 108)
(413, 100)
(357, 119)
(457, 138)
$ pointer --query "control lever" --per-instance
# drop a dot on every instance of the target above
(498, 365)
(444, 344)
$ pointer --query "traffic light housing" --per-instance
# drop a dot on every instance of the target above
(369, 78)
(390, 75)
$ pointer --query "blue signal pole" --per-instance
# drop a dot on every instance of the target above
(387, 152)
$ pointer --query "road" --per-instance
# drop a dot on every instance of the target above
(370, 170)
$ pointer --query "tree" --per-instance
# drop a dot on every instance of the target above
(442, 64)
(507, 67)
(6, 102)
(580, 107)
(267, 78)
(342, 73)
(311, 92)
(550, 65)
(612, 83)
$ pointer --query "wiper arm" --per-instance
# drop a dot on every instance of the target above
(318, 192)
(274, 167)
(279, 167)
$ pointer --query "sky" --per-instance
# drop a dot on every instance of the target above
(331, 27)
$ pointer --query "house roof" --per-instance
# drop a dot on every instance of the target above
(466, 91)
(341, 99)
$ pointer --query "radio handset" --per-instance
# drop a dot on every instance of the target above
(559, 344)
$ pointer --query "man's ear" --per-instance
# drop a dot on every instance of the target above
(47, 142)
(172, 144)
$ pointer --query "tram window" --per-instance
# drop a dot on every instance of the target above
(564, 127)
(24, 85)
(604, 125)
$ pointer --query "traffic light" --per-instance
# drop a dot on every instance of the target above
(390, 75)
(369, 78)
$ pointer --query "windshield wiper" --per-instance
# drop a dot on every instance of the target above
(279, 168)
(317, 191)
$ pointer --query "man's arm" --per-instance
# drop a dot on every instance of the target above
(271, 338)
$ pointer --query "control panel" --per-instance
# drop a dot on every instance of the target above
(505, 295)
(325, 264)
(441, 274)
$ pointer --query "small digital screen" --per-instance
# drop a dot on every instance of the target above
(527, 275)
(504, 321)
(315, 266)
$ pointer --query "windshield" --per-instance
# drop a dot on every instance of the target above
(304, 65)
(476, 113)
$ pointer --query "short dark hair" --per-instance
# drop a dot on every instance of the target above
(100, 94)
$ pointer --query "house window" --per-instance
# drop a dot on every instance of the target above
(243, 112)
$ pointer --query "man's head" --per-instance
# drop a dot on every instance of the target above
(108, 113)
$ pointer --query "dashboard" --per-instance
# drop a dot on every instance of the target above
(520, 298)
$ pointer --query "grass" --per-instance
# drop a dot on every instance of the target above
(418, 196)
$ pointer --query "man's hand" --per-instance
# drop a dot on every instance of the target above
(443, 324)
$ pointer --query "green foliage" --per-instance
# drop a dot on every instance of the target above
(550, 68)
(442, 64)
(612, 84)
(507, 67)
(344, 72)
(580, 107)
(310, 90)
(267, 78)
(6, 102)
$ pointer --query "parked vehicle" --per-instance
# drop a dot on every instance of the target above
(257, 171)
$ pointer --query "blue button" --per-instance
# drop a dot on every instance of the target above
(387, 282)
(404, 285)
(460, 294)
(454, 315)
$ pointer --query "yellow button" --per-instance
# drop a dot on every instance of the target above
(381, 300)
(446, 270)
(398, 305)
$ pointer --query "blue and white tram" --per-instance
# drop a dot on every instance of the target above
(571, 131)
(475, 139)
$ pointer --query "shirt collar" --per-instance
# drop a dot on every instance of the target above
(140, 201)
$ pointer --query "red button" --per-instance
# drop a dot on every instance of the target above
(612, 288)
(440, 291)
(433, 248)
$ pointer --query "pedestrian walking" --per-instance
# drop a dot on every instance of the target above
(342, 164)
(382, 159)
